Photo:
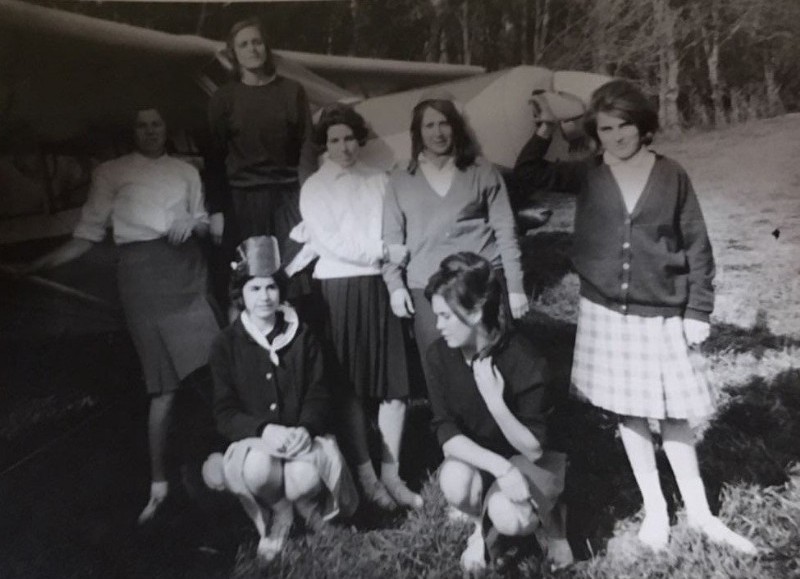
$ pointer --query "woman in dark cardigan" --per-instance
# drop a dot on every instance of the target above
(488, 392)
(646, 267)
(271, 401)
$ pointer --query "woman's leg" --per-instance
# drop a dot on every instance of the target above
(157, 428)
(263, 476)
(391, 421)
(462, 487)
(356, 442)
(638, 443)
(303, 486)
(680, 450)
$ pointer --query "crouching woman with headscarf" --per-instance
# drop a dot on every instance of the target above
(271, 401)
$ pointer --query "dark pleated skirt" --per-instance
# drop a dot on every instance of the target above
(271, 209)
(368, 340)
(163, 291)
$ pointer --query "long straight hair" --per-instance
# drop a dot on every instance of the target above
(464, 149)
(230, 52)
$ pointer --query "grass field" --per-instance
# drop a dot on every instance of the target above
(748, 181)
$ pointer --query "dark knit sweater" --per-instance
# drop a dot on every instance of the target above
(259, 133)
(656, 260)
(250, 392)
(458, 407)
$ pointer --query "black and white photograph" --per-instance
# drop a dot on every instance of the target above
(399, 289)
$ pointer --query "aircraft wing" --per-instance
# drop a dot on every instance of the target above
(374, 77)
(64, 74)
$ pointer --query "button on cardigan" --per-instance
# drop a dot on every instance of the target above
(250, 392)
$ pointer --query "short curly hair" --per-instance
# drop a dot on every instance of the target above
(340, 114)
(622, 99)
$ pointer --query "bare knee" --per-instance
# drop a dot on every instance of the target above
(509, 517)
(263, 476)
(300, 479)
(461, 485)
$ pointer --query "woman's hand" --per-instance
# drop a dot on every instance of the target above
(216, 225)
(402, 304)
(514, 485)
(277, 437)
(696, 332)
(543, 118)
(519, 304)
(181, 230)
(489, 380)
(397, 254)
(299, 441)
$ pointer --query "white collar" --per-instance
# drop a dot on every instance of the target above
(334, 170)
(281, 340)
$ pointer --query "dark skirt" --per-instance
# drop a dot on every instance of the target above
(163, 291)
(270, 209)
(367, 338)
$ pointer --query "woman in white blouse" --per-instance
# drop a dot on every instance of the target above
(342, 208)
(154, 205)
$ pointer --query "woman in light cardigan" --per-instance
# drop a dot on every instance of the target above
(342, 207)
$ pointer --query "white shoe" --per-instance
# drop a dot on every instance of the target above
(270, 547)
(402, 495)
(719, 532)
(654, 532)
(455, 515)
(472, 559)
(158, 494)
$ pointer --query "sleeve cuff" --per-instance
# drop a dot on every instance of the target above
(697, 315)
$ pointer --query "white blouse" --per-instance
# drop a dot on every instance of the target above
(342, 210)
(140, 198)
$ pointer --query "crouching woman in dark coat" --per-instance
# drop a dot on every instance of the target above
(271, 400)
(488, 392)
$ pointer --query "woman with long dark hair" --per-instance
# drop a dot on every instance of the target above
(488, 388)
(446, 200)
(262, 148)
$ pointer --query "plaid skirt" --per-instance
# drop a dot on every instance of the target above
(637, 366)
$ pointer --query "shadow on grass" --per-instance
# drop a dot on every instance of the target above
(752, 440)
(546, 259)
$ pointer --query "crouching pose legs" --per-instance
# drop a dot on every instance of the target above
(271, 401)
(487, 389)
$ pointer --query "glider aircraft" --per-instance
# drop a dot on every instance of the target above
(68, 83)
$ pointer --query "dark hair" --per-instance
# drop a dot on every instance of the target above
(464, 149)
(241, 275)
(467, 281)
(230, 52)
(624, 100)
(146, 106)
(340, 114)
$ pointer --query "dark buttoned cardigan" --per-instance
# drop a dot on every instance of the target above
(654, 261)
(250, 392)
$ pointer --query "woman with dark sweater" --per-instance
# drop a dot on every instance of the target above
(488, 388)
(262, 149)
(646, 268)
(272, 402)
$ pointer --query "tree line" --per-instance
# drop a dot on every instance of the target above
(706, 62)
